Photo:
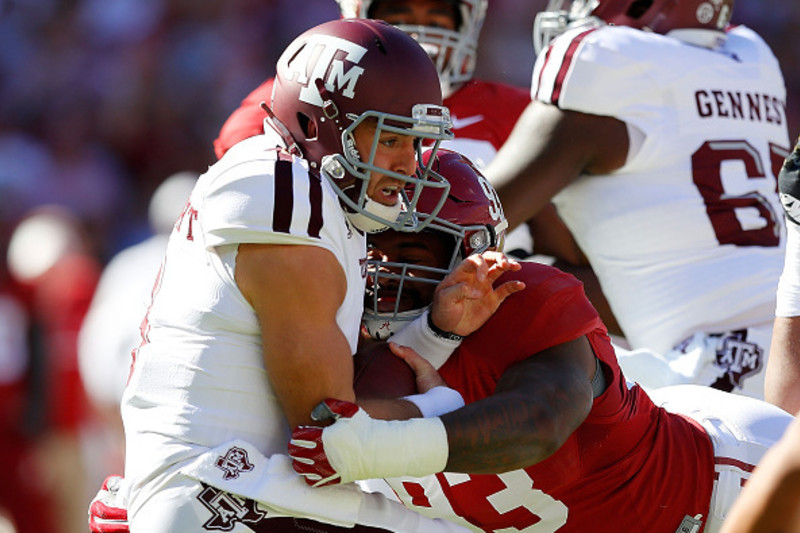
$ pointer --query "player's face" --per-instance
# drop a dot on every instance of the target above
(395, 152)
(426, 249)
(434, 13)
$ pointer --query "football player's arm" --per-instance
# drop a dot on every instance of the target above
(538, 403)
(770, 501)
(547, 150)
(782, 376)
(306, 355)
(782, 386)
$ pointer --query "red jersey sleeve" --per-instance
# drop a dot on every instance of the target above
(486, 110)
(553, 309)
(247, 121)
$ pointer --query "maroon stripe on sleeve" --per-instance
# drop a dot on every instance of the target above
(315, 199)
(284, 197)
(541, 72)
(566, 64)
(730, 461)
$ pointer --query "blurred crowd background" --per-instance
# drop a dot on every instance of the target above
(100, 102)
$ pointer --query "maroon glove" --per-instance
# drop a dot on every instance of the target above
(107, 512)
(308, 450)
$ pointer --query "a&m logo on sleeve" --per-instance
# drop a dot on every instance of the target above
(233, 463)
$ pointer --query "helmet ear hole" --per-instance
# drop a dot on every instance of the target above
(308, 126)
(639, 8)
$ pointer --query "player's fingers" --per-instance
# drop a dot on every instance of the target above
(464, 291)
(499, 264)
(406, 353)
(474, 266)
(500, 260)
(417, 363)
(507, 289)
(482, 268)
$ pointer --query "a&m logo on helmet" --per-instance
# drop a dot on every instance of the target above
(331, 59)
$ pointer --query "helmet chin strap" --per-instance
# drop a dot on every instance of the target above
(368, 224)
(282, 130)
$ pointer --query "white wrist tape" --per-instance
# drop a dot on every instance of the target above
(424, 341)
(437, 401)
(788, 303)
(361, 447)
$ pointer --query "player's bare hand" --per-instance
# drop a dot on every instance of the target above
(426, 374)
(467, 297)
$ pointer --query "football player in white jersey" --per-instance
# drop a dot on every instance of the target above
(770, 501)
(256, 308)
(658, 130)
(483, 112)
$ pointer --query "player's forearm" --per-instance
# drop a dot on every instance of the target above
(783, 366)
(538, 403)
(511, 430)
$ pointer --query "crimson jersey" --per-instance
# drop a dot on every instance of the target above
(481, 125)
(483, 114)
(610, 475)
(247, 121)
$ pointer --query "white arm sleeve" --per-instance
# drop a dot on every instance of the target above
(424, 341)
(788, 303)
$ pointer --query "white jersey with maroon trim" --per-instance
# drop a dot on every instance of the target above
(688, 235)
(198, 379)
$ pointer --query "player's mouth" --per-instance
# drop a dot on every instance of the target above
(390, 194)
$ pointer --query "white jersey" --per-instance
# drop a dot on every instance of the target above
(688, 235)
(198, 379)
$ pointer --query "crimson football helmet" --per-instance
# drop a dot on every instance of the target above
(471, 219)
(340, 74)
(659, 16)
(453, 52)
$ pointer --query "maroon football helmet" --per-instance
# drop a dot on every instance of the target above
(471, 218)
(659, 16)
(340, 74)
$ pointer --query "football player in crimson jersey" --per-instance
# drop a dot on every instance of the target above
(483, 112)
(256, 309)
(658, 130)
(552, 437)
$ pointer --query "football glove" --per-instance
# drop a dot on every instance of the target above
(357, 447)
(107, 512)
